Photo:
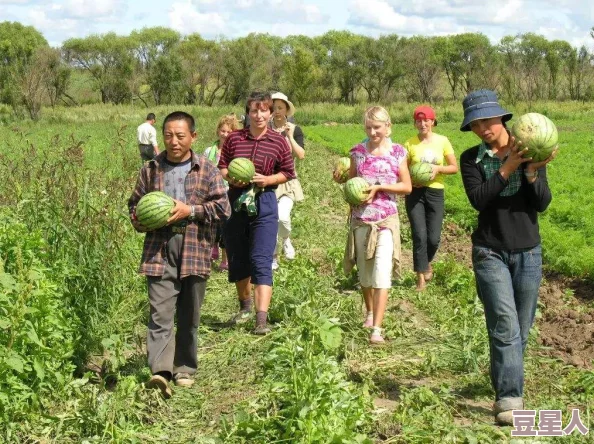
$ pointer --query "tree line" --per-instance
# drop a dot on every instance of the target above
(159, 66)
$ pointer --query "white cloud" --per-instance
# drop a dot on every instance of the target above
(379, 14)
(90, 9)
(185, 18)
(555, 19)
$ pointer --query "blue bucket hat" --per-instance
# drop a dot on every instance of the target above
(482, 104)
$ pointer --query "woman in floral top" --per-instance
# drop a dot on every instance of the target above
(374, 236)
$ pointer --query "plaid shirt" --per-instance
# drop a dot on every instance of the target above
(492, 163)
(204, 189)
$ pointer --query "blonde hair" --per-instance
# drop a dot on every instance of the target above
(230, 120)
(378, 114)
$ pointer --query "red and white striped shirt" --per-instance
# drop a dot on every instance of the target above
(270, 153)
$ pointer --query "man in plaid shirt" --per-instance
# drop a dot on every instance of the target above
(176, 258)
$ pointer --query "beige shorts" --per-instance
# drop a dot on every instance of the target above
(375, 272)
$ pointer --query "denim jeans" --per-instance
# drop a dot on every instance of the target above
(425, 210)
(507, 283)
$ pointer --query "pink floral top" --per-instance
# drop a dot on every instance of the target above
(378, 170)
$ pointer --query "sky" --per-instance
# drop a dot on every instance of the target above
(569, 20)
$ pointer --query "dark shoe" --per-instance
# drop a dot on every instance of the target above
(505, 418)
(241, 317)
(261, 330)
(161, 383)
(183, 380)
(503, 410)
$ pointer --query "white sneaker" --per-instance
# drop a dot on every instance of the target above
(274, 264)
(288, 249)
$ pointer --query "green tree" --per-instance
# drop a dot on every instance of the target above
(422, 60)
(554, 57)
(247, 62)
(301, 74)
(383, 66)
(57, 74)
(18, 46)
(109, 59)
(345, 63)
(165, 79)
(469, 62)
(578, 68)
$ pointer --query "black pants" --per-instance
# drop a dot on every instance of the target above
(425, 210)
(147, 152)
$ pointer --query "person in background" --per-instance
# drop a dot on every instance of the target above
(425, 204)
(227, 124)
(374, 236)
(508, 191)
(147, 138)
(250, 233)
(289, 192)
(176, 258)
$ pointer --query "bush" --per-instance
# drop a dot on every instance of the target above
(38, 334)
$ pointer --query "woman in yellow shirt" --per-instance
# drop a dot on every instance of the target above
(425, 205)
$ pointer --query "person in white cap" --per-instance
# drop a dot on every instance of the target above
(290, 192)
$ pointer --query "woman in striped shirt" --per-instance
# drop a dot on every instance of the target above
(251, 239)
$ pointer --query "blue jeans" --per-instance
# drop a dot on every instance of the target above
(507, 283)
(251, 240)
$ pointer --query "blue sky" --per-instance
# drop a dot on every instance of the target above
(569, 20)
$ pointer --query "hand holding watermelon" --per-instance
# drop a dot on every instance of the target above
(179, 212)
(372, 190)
(342, 170)
(263, 181)
(533, 166)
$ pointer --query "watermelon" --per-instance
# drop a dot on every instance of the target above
(537, 133)
(241, 169)
(342, 167)
(355, 191)
(420, 173)
(154, 209)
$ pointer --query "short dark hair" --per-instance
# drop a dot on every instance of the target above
(151, 116)
(180, 115)
(262, 97)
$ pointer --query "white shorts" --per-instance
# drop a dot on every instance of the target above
(375, 272)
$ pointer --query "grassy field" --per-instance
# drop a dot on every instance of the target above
(73, 310)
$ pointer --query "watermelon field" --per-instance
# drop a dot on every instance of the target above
(73, 310)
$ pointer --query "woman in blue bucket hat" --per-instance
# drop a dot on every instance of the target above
(508, 191)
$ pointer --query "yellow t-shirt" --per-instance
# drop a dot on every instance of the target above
(431, 152)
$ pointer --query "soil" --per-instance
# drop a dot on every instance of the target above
(566, 327)
(567, 324)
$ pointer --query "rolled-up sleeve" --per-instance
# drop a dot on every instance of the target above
(286, 164)
(226, 154)
(139, 190)
(216, 207)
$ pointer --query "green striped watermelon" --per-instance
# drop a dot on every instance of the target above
(537, 133)
(420, 173)
(241, 169)
(154, 209)
(355, 191)
(342, 167)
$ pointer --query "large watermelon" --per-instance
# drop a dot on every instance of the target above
(342, 167)
(537, 133)
(420, 173)
(241, 169)
(355, 191)
(154, 209)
